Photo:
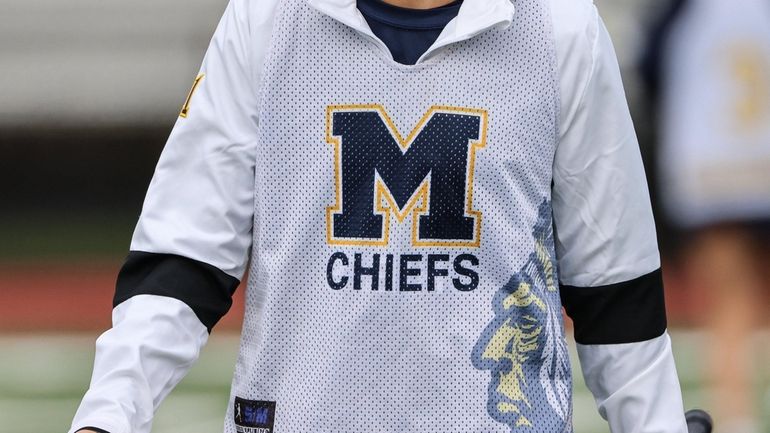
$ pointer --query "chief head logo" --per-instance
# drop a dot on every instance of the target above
(523, 346)
(380, 176)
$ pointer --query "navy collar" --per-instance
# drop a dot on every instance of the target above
(412, 19)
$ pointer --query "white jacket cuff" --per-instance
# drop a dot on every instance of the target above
(151, 346)
(635, 385)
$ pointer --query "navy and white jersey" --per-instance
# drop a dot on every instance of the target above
(410, 233)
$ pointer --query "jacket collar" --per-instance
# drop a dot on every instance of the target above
(474, 17)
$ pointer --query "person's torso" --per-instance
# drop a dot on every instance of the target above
(403, 272)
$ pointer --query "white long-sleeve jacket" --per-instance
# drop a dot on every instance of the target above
(413, 231)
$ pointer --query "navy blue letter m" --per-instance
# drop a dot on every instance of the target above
(428, 175)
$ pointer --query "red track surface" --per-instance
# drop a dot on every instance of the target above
(68, 297)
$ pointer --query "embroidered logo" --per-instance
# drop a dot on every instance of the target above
(253, 416)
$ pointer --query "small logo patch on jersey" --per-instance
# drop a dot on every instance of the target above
(253, 416)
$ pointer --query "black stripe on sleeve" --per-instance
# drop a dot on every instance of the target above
(626, 312)
(205, 288)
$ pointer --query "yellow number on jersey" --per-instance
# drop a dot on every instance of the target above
(751, 72)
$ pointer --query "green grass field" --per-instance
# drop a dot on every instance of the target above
(42, 378)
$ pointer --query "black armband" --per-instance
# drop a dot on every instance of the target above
(626, 312)
(206, 289)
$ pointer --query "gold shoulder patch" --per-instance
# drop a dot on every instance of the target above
(186, 106)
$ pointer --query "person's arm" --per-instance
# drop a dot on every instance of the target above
(608, 261)
(192, 241)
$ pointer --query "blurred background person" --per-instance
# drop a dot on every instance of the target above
(708, 66)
